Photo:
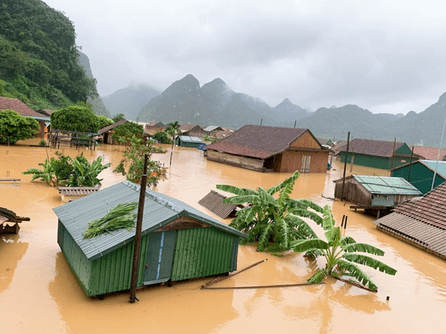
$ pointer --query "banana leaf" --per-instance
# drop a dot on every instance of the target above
(300, 246)
(370, 262)
(360, 247)
(357, 273)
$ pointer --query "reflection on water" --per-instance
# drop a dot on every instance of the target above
(40, 294)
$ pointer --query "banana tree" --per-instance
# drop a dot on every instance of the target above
(341, 254)
(273, 223)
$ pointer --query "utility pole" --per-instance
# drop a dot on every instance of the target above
(136, 251)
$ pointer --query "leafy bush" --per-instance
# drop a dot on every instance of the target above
(75, 118)
(14, 127)
(162, 137)
(65, 171)
(103, 121)
(125, 131)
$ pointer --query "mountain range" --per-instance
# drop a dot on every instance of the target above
(215, 103)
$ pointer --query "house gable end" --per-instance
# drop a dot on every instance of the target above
(306, 140)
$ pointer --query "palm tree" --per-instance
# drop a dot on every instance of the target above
(274, 223)
(341, 254)
(173, 130)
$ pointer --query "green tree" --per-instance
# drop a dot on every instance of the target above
(273, 223)
(118, 117)
(341, 254)
(133, 155)
(103, 121)
(162, 137)
(75, 118)
(14, 127)
(173, 130)
(127, 130)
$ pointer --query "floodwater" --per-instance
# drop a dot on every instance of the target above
(40, 294)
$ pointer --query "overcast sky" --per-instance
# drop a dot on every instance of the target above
(385, 56)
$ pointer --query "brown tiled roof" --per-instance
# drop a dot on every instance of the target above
(45, 112)
(258, 141)
(378, 148)
(112, 126)
(187, 127)
(214, 202)
(17, 105)
(430, 209)
(429, 153)
(338, 147)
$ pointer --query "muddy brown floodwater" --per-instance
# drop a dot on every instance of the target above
(40, 294)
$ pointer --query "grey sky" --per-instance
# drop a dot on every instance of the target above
(385, 56)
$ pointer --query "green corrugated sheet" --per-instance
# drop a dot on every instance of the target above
(385, 185)
(202, 252)
(159, 209)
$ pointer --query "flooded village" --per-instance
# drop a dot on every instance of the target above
(39, 292)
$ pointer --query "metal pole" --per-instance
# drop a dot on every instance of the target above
(136, 251)
(438, 155)
(345, 166)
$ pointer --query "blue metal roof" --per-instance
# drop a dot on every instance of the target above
(440, 166)
(386, 185)
(188, 139)
(159, 210)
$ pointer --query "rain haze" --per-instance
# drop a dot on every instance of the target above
(385, 56)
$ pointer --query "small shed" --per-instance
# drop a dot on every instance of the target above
(421, 173)
(375, 193)
(193, 130)
(178, 242)
(420, 222)
(187, 141)
(8, 216)
(212, 128)
(377, 153)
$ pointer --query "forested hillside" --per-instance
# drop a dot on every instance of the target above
(39, 57)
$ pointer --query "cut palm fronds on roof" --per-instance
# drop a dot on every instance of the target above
(118, 217)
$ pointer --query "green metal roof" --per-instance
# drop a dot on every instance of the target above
(386, 185)
(188, 139)
(432, 164)
(159, 210)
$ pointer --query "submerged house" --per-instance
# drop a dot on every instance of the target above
(107, 132)
(193, 130)
(375, 193)
(266, 148)
(420, 222)
(187, 141)
(421, 174)
(377, 153)
(178, 242)
(24, 110)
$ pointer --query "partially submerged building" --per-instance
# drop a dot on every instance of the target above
(420, 222)
(107, 132)
(374, 193)
(266, 148)
(24, 110)
(421, 173)
(192, 130)
(214, 202)
(178, 242)
(188, 141)
(377, 153)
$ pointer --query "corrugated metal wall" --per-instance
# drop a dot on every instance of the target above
(76, 259)
(203, 252)
(112, 272)
(109, 273)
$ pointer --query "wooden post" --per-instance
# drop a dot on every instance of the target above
(295, 123)
(261, 122)
(393, 154)
(345, 166)
(136, 251)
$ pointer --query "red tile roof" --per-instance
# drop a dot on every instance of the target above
(378, 148)
(18, 106)
(429, 153)
(258, 141)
